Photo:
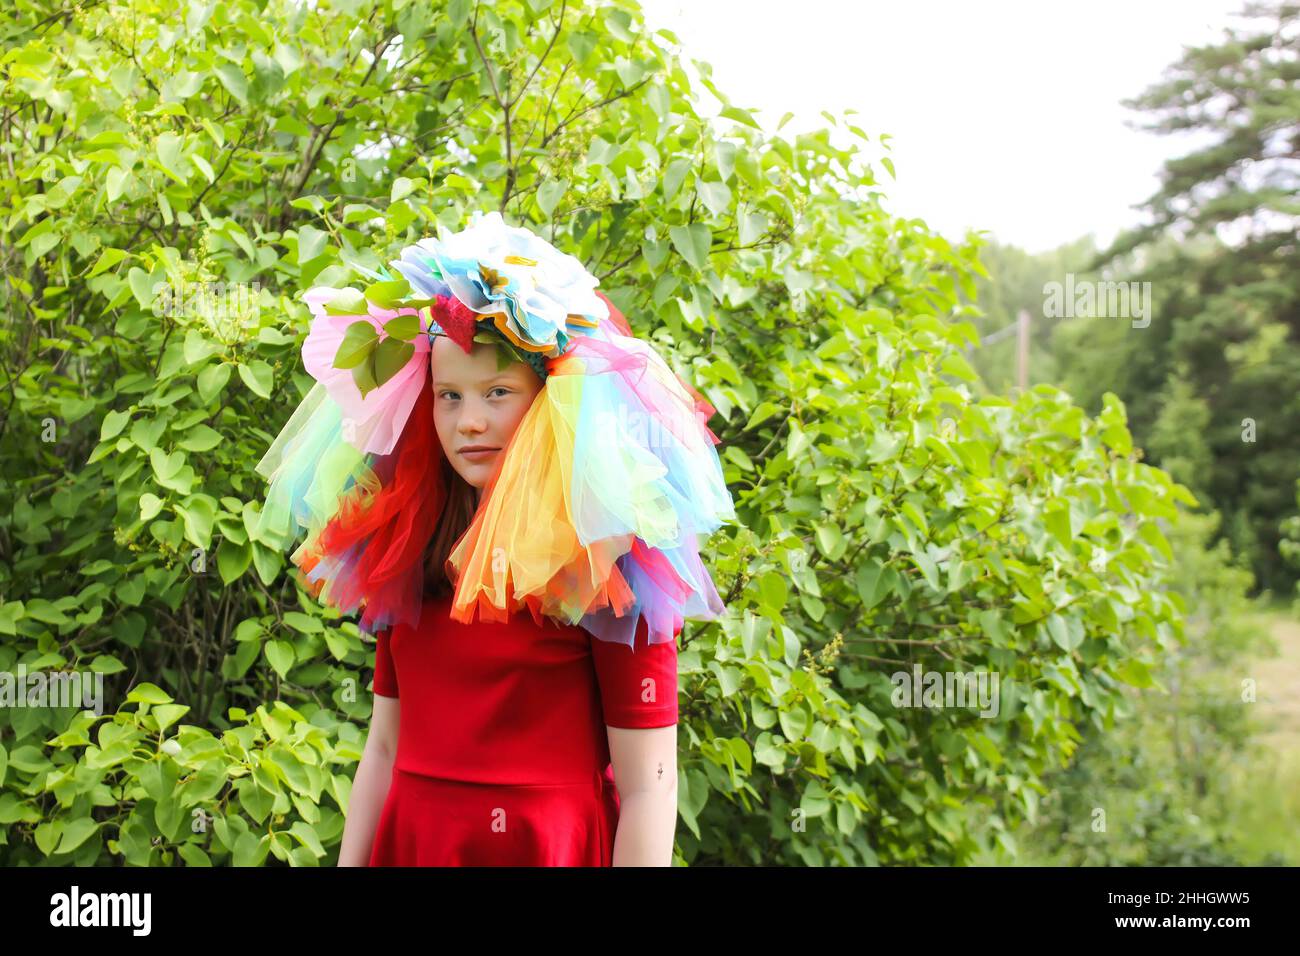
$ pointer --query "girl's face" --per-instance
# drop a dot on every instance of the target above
(475, 405)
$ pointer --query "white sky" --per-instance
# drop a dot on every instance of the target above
(1004, 115)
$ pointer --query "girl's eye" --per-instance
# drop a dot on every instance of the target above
(451, 396)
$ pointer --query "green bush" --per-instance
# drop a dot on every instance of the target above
(887, 518)
(1168, 786)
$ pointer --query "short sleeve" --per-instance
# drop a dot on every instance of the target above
(385, 672)
(638, 684)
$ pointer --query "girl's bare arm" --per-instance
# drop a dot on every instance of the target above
(370, 785)
(645, 773)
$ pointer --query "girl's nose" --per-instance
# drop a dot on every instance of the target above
(473, 422)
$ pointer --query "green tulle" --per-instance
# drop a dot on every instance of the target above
(309, 466)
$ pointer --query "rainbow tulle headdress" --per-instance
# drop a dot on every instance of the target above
(596, 508)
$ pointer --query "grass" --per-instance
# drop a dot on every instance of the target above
(1267, 782)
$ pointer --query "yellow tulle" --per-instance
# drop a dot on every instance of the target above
(521, 549)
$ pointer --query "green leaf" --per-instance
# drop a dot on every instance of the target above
(402, 187)
(549, 195)
(390, 357)
(233, 560)
(874, 581)
(198, 512)
(166, 466)
(389, 293)
(150, 505)
(799, 441)
(733, 453)
(168, 147)
(47, 835)
(955, 364)
(303, 623)
(773, 590)
(289, 59)
(724, 157)
(311, 242)
(740, 116)
(794, 722)
(1065, 633)
(102, 664)
(307, 836)
(929, 569)
(405, 327)
(204, 167)
(77, 832)
(752, 227)
(279, 654)
(693, 243)
(674, 175)
(763, 411)
(1135, 672)
(113, 424)
(146, 693)
(107, 259)
(116, 182)
(347, 302)
(198, 347)
(986, 749)
(233, 79)
(363, 376)
(581, 46)
(830, 541)
(258, 376)
(716, 196)
(1056, 516)
(200, 438)
(168, 714)
(212, 380)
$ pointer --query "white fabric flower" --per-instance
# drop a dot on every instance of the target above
(494, 268)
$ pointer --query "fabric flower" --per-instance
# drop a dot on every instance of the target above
(534, 293)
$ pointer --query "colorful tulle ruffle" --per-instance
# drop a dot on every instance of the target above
(600, 500)
(595, 514)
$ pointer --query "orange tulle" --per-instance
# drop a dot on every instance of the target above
(521, 550)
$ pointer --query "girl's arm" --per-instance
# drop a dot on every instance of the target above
(370, 785)
(645, 773)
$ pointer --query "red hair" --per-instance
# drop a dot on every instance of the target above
(391, 527)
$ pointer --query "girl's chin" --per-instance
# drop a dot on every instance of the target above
(476, 476)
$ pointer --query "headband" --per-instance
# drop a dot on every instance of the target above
(594, 512)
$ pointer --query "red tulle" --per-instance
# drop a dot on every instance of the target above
(391, 528)
(615, 316)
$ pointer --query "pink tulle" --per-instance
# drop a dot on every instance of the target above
(376, 420)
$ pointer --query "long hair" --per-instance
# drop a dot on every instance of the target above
(456, 516)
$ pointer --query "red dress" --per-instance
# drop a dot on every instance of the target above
(502, 753)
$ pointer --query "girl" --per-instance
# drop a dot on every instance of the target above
(531, 461)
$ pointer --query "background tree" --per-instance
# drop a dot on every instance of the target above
(1220, 249)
